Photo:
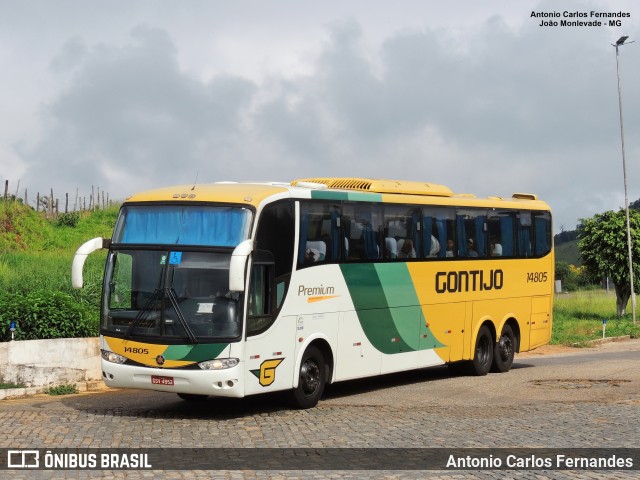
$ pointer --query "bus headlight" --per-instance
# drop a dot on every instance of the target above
(219, 364)
(113, 357)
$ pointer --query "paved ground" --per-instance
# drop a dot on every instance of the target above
(563, 399)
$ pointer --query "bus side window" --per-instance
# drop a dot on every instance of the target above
(319, 234)
(276, 234)
(501, 228)
(368, 219)
(261, 300)
(363, 232)
(439, 223)
(471, 229)
(400, 229)
(542, 225)
(524, 234)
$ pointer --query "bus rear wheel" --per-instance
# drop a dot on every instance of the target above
(504, 351)
(483, 358)
(311, 379)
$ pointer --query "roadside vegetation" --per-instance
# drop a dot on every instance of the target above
(35, 272)
(62, 390)
(6, 386)
(578, 317)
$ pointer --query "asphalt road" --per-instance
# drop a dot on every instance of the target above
(588, 398)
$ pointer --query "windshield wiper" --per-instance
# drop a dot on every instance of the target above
(144, 312)
(183, 321)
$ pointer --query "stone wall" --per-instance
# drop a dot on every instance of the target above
(43, 363)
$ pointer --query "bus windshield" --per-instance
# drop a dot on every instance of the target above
(169, 294)
(203, 225)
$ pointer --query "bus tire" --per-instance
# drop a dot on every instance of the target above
(483, 356)
(311, 379)
(192, 397)
(504, 351)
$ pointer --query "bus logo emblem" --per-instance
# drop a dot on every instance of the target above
(160, 360)
(266, 374)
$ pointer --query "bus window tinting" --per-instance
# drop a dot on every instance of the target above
(400, 232)
(355, 232)
(439, 223)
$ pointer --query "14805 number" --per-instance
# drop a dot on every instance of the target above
(536, 277)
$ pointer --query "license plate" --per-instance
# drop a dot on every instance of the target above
(157, 380)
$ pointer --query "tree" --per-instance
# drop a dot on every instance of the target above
(635, 205)
(602, 241)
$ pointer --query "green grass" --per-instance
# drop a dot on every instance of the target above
(63, 390)
(578, 318)
(22, 229)
(36, 255)
(5, 386)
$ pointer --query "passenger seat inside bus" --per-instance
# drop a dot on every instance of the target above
(391, 247)
(319, 250)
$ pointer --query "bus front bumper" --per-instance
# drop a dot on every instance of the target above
(220, 383)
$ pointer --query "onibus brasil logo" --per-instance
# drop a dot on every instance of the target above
(267, 373)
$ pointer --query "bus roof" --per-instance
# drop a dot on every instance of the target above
(351, 188)
(227, 192)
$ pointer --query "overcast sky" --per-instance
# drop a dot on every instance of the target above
(475, 95)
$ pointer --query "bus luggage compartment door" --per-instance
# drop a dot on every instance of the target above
(540, 321)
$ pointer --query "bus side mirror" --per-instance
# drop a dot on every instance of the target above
(238, 266)
(81, 255)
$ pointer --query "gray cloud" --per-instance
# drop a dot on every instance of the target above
(131, 108)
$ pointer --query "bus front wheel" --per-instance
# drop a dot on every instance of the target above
(483, 358)
(504, 351)
(311, 379)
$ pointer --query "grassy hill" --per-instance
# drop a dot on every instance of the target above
(35, 266)
(23, 229)
(34, 249)
(568, 252)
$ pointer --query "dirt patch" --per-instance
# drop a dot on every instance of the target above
(548, 350)
(579, 383)
(608, 342)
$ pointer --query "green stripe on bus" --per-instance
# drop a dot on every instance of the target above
(353, 196)
(194, 353)
(402, 300)
(397, 284)
(372, 308)
(387, 306)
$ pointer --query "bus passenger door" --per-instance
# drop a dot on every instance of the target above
(540, 321)
(268, 352)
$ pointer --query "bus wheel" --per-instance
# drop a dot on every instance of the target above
(504, 351)
(192, 397)
(483, 357)
(311, 380)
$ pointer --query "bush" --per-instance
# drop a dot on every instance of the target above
(63, 390)
(574, 277)
(45, 314)
(69, 219)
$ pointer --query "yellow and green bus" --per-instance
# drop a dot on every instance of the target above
(232, 289)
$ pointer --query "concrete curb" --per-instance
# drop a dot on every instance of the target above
(601, 341)
(82, 387)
